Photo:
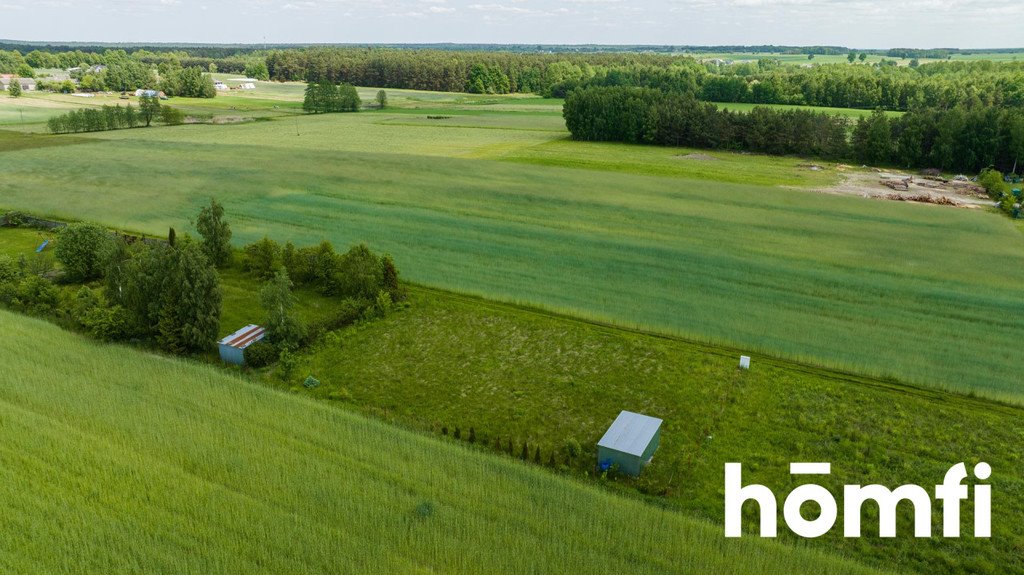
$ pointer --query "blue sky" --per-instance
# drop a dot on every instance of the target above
(855, 23)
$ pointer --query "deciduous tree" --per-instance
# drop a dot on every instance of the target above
(216, 233)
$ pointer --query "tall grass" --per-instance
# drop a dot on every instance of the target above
(515, 375)
(114, 461)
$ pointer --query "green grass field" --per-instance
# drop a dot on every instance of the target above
(501, 204)
(117, 461)
(516, 375)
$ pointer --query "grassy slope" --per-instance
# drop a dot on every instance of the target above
(515, 375)
(116, 461)
(925, 293)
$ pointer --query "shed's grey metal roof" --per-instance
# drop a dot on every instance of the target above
(244, 337)
(630, 433)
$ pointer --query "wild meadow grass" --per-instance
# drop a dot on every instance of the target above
(117, 461)
(451, 364)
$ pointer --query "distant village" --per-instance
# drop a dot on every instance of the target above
(72, 76)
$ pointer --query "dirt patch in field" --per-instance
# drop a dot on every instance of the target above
(698, 156)
(904, 187)
(230, 119)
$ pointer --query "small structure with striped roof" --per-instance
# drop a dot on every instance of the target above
(232, 347)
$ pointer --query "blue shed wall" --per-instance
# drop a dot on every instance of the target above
(233, 355)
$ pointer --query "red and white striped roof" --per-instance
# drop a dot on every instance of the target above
(244, 337)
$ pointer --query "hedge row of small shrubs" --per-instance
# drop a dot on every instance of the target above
(570, 452)
(113, 118)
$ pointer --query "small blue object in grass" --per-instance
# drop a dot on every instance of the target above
(311, 382)
(605, 465)
(42, 246)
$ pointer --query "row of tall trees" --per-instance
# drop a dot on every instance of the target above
(444, 70)
(959, 139)
(964, 139)
(645, 115)
(939, 85)
(115, 117)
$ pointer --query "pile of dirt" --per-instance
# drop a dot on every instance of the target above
(900, 185)
(699, 157)
(924, 199)
(970, 189)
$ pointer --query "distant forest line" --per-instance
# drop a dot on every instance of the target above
(854, 84)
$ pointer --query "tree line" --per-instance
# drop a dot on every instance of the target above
(442, 70)
(115, 117)
(944, 84)
(957, 139)
(933, 85)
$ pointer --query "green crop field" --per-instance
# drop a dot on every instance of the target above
(117, 461)
(515, 375)
(499, 203)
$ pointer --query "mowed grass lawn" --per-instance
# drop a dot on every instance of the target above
(117, 461)
(924, 293)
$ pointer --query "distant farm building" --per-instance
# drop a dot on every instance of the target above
(630, 442)
(244, 83)
(232, 347)
(220, 86)
(150, 94)
(27, 84)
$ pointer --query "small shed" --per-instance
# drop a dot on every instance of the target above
(232, 347)
(630, 442)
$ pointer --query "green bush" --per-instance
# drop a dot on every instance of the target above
(359, 274)
(107, 323)
(381, 306)
(349, 311)
(263, 258)
(36, 295)
(993, 183)
(260, 354)
(313, 265)
(172, 116)
(80, 248)
(573, 447)
(390, 278)
(89, 310)
(8, 270)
